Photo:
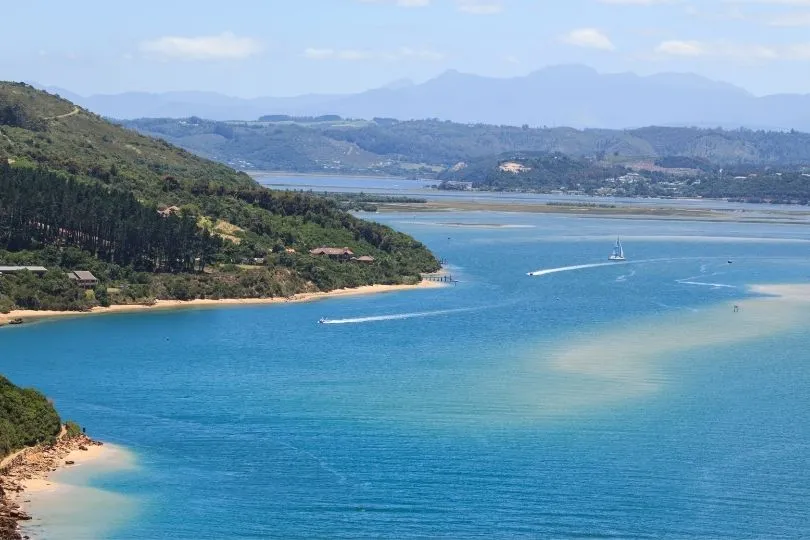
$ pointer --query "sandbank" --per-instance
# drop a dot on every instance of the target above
(28, 315)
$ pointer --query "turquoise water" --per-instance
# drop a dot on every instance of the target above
(612, 401)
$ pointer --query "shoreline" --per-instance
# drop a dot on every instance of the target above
(28, 471)
(28, 315)
(659, 213)
(253, 173)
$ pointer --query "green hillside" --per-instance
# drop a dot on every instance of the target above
(80, 193)
(26, 418)
(427, 147)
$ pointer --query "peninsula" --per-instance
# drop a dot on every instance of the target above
(93, 215)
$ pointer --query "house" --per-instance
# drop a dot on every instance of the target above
(364, 259)
(333, 253)
(83, 278)
(169, 211)
(16, 269)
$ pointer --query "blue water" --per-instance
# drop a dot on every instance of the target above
(445, 412)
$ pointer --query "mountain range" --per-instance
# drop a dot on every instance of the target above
(569, 95)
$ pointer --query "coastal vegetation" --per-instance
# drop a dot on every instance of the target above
(738, 164)
(27, 418)
(152, 221)
(427, 147)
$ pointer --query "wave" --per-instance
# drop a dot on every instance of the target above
(398, 316)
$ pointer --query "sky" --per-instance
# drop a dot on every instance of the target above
(252, 48)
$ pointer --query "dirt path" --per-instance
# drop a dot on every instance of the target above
(74, 112)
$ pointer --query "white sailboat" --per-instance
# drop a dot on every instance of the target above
(618, 251)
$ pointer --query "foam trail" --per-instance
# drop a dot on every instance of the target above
(623, 278)
(547, 271)
(703, 284)
(570, 268)
(397, 316)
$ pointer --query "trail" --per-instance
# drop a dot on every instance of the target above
(398, 316)
(74, 112)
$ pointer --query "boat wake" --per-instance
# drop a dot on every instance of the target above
(623, 278)
(704, 284)
(397, 316)
(548, 271)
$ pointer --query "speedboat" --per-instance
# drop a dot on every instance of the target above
(321, 320)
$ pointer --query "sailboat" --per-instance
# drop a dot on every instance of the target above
(618, 252)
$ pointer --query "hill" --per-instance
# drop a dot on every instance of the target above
(26, 418)
(571, 95)
(667, 177)
(425, 148)
(154, 221)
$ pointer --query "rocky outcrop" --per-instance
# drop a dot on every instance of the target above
(36, 462)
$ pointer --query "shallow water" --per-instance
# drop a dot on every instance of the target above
(602, 401)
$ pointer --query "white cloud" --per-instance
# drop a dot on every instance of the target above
(771, 2)
(354, 55)
(636, 2)
(590, 38)
(740, 52)
(790, 20)
(400, 3)
(226, 46)
(479, 7)
(680, 48)
(473, 7)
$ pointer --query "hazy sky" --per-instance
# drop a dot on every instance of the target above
(282, 47)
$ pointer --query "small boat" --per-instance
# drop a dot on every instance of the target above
(321, 320)
(15, 321)
(618, 252)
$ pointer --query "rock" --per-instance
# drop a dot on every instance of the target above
(83, 447)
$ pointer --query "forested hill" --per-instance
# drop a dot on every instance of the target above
(154, 221)
(427, 147)
(26, 418)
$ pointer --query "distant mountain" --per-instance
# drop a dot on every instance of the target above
(572, 95)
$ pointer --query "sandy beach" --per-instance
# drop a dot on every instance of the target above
(28, 472)
(29, 315)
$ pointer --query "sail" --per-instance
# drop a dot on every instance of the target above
(618, 251)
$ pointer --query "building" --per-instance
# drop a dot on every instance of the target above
(83, 278)
(169, 211)
(16, 269)
(333, 253)
(364, 259)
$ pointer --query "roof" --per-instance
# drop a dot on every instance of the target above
(331, 251)
(83, 275)
(366, 258)
(22, 268)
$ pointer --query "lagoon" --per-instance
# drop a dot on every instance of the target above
(608, 401)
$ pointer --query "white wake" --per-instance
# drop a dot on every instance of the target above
(397, 316)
